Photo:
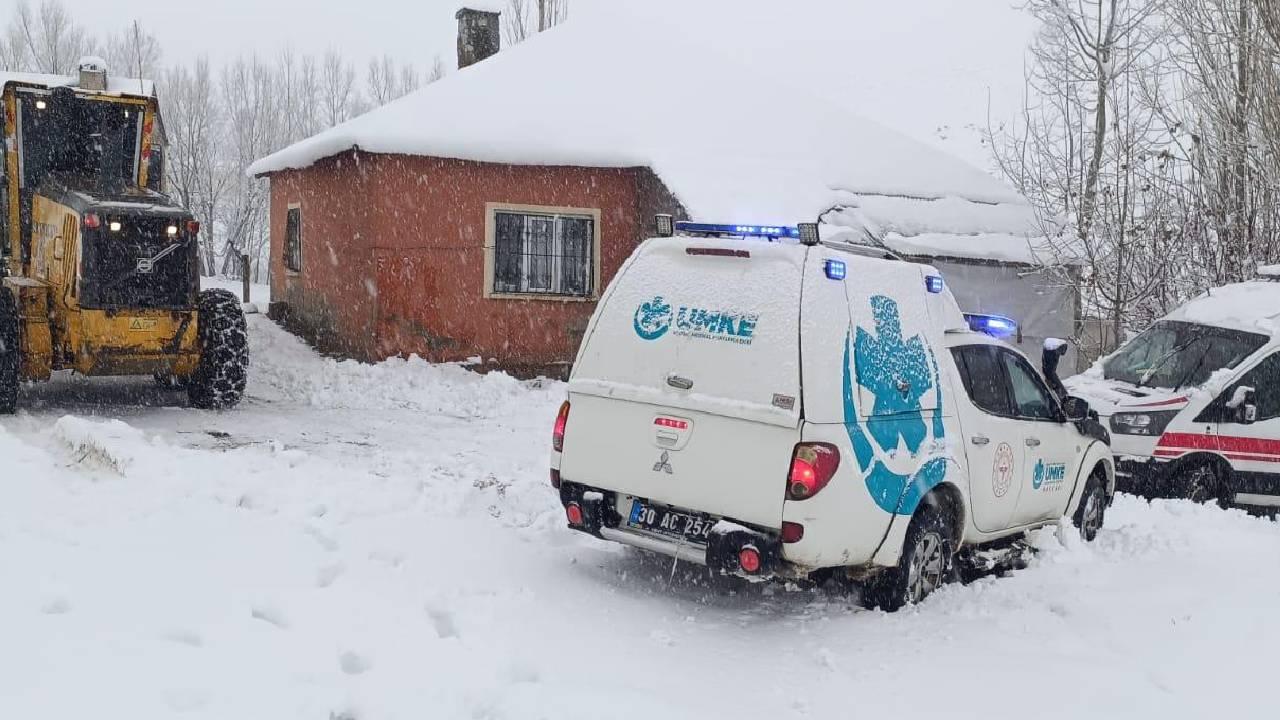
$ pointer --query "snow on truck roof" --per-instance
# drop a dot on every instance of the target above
(1249, 306)
(115, 85)
(732, 146)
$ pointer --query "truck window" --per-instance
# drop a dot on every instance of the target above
(1265, 379)
(984, 379)
(1031, 399)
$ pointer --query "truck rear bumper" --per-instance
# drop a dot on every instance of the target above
(597, 514)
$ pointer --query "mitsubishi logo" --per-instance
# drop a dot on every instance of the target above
(664, 464)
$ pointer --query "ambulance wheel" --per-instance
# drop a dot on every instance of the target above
(1203, 483)
(1092, 513)
(220, 378)
(10, 352)
(925, 565)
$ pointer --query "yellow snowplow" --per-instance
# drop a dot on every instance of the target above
(100, 268)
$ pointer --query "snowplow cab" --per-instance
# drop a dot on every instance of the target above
(100, 267)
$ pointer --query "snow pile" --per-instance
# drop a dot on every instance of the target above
(115, 85)
(398, 383)
(1249, 306)
(729, 142)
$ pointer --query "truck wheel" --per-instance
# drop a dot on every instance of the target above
(219, 380)
(925, 564)
(10, 352)
(1203, 484)
(1092, 513)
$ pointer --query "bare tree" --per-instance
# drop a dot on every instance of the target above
(52, 42)
(524, 18)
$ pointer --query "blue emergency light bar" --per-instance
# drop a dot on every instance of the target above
(996, 326)
(765, 231)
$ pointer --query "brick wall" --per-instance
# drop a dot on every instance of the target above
(394, 256)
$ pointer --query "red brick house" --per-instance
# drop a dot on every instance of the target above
(485, 214)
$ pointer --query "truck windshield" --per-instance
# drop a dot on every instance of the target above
(70, 136)
(1180, 354)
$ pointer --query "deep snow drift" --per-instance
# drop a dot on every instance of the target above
(381, 542)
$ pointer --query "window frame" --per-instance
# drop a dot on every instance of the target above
(288, 241)
(1055, 408)
(1217, 412)
(958, 353)
(492, 210)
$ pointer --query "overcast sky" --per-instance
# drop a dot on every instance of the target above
(413, 30)
(925, 67)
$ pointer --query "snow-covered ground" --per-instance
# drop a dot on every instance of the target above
(368, 542)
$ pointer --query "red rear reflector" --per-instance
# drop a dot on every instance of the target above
(718, 252)
(792, 532)
(574, 513)
(562, 421)
(555, 479)
(812, 467)
(92, 221)
(672, 423)
(749, 559)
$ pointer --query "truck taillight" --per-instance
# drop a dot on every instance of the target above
(193, 227)
(812, 467)
(92, 221)
(562, 421)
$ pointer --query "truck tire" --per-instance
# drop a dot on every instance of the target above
(1092, 513)
(1204, 483)
(925, 565)
(219, 380)
(10, 352)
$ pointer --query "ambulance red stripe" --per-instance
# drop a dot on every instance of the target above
(1236, 448)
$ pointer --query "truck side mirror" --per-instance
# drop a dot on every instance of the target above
(1243, 404)
(1076, 409)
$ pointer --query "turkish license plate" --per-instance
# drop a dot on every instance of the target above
(671, 523)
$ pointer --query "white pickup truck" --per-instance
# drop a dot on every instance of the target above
(782, 408)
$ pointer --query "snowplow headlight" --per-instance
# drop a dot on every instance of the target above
(115, 226)
(172, 230)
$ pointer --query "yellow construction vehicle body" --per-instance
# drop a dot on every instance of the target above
(61, 251)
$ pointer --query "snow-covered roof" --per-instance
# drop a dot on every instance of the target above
(1250, 306)
(732, 145)
(115, 85)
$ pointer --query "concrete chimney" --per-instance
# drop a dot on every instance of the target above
(93, 74)
(479, 34)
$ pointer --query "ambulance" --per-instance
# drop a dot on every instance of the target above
(770, 405)
(1193, 403)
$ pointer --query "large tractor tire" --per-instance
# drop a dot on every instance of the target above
(219, 381)
(10, 352)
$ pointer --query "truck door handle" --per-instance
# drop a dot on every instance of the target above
(981, 440)
(1033, 442)
(679, 383)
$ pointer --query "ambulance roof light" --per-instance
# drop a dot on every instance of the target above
(996, 326)
(773, 232)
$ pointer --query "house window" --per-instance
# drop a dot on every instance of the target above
(293, 240)
(544, 253)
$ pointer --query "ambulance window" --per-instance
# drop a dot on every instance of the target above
(1031, 400)
(1265, 379)
(984, 379)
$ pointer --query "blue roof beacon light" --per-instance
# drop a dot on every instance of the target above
(996, 326)
(773, 232)
(836, 269)
(934, 284)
